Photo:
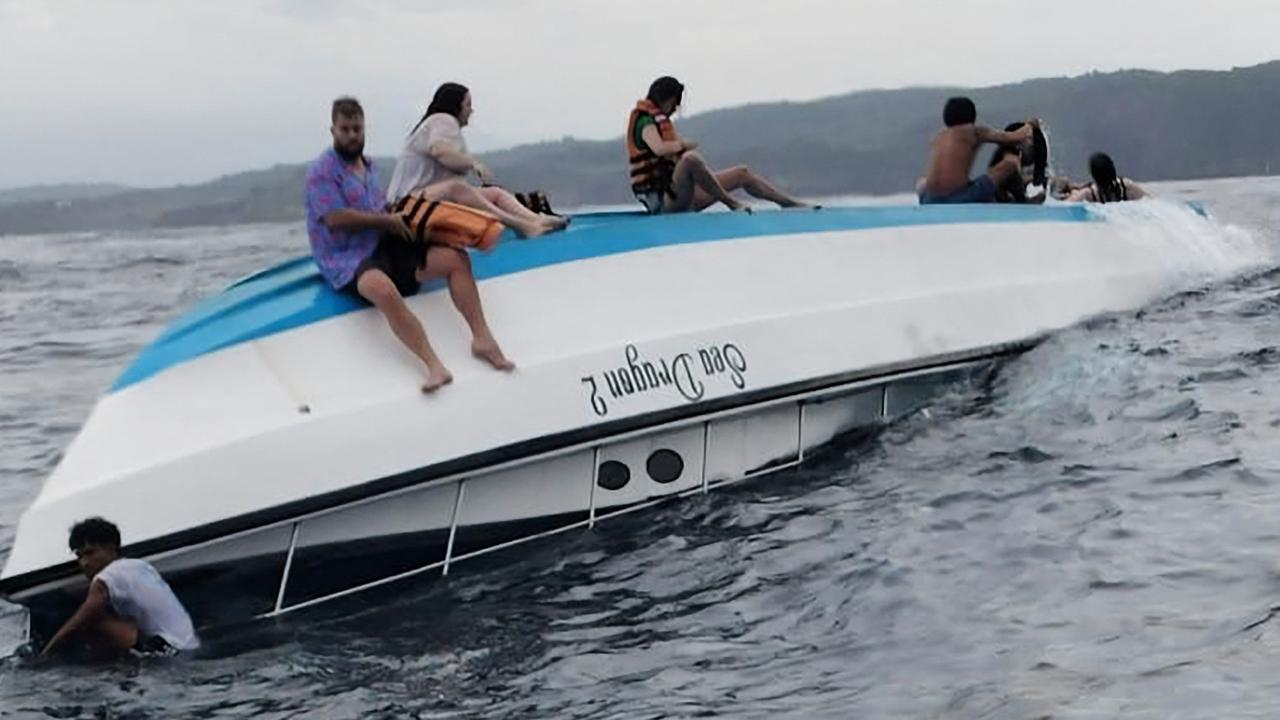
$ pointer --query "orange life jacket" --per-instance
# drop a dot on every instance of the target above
(649, 171)
(447, 223)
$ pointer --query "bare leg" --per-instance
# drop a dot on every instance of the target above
(111, 637)
(1005, 169)
(507, 202)
(691, 176)
(741, 177)
(455, 266)
(463, 194)
(377, 288)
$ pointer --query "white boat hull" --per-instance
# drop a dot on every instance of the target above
(729, 356)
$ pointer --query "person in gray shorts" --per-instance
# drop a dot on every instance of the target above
(952, 153)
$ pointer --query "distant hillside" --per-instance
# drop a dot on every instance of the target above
(1158, 126)
(257, 196)
(69, 191)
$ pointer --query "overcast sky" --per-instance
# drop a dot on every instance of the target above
(154, 92)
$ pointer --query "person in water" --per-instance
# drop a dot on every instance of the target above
(435, 160)
(363, 250)
(1107, 185)
(1062, 186)
(668, 175)
(129, 607)
(953, 151)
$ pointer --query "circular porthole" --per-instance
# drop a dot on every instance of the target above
(665, 466)
(613, 475)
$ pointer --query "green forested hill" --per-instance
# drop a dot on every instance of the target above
(1158, 126)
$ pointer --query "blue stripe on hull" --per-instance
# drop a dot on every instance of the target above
(293, 294)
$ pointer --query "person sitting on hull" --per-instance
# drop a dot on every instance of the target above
(953, 150)
(1107, 185)
(367, 252)
(1033, 169)
(129, 608)
(668, 175)
(435, 161)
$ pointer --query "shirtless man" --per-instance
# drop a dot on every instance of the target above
(954, 148)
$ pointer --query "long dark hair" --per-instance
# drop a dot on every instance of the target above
(1038, 159)
(1107, 184)
(448, 99)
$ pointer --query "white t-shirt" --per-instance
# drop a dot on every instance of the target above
(138, 593)
(416, 168)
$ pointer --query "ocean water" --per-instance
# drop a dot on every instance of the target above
(1093, 533)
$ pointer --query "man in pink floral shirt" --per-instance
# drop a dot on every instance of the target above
(362, 249)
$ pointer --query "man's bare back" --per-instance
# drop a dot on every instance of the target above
(951, 159)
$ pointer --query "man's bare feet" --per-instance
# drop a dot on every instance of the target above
(488, 351)
(437, 378)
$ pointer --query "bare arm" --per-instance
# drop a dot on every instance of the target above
(91, 610)
(450, 156)
(664, 148)
(440, 138)
(1000, 137)
(1084, 194)
(1134, 190)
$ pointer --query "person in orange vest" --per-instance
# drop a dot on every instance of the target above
(668, 175)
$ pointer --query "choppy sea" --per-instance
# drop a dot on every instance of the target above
(1093, 533)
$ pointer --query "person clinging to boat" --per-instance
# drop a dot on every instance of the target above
(128, 608)
(953, 151)
(435, 162)
(365, 251)
(669, 175)
(1107, 185)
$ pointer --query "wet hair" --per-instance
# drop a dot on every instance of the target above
(347, 107)
(959, 111)
(94, 531)
(1038, 158)
(448, 100)
(1107, 185)
(666, 88)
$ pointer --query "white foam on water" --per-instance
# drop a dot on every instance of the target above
(1195, 247)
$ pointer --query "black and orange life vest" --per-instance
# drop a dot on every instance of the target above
(650, 172)
(446, 223)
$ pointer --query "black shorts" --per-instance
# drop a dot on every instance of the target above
(154, 646)
(399, 259)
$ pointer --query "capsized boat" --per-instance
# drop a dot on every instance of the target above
(271, 449)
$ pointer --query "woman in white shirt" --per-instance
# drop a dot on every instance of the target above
(435, 160)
